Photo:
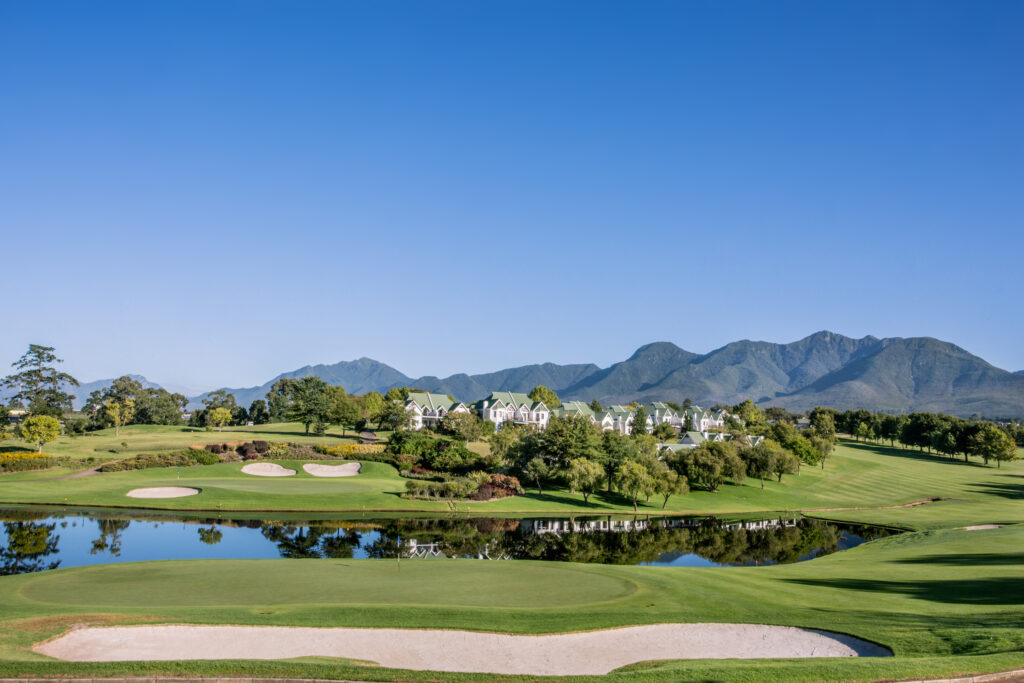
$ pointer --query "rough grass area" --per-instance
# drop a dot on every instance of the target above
(945, 601)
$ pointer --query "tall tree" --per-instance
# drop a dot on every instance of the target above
(278, 399)
(668, 483)
(992, 443)
(218, 417)
(583, 476)
(635, 481)
(345, 409)
(38, 383)
(639, 422)
(258, 412)
(119, 412)
(310, 403)
(546, 396)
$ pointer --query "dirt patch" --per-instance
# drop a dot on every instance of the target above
(267, 469)
(564, 654)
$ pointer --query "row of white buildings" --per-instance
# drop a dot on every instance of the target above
(428, 410)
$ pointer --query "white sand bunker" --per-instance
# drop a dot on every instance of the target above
(349, 469)
(267, 469)
(162, 492)
(981, 527)
(565, 654)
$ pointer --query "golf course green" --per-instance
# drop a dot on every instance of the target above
(946, 600)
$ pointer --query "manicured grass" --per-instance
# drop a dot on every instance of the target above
(945, 601)
(104, 446)
(857, 476)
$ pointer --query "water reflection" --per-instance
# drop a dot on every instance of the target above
(26, 546)
(29, 542)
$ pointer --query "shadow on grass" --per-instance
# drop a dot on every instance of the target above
(1003, 489)
(969, 559)
(919, 456)
(16, 449)
(993, 591)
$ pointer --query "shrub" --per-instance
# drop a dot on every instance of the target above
(485, 492)
(24, 461)
(246, 449)
(261, 446)
(278, 450)
(213, 448)
(184, 458)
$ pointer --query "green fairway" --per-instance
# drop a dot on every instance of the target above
(104, 445)
(857, 476)
(944, 601)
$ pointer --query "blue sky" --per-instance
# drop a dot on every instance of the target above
(209, 193)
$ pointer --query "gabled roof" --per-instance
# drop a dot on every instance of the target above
(430, 402)
(578, 407)
(507, 397)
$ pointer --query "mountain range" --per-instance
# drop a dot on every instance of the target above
(894, 375)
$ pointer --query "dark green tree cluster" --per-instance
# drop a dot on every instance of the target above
(148, 406)
(945, 435)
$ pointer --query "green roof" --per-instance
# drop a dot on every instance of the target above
(428, 401)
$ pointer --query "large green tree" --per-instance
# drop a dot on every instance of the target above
(992, 443)
(546, 396)
(40, 430)
(583, 476)
(309, 403)
(38, 384)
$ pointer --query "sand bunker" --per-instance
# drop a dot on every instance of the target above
(267, 469)
(981, 527)
(349, 469)
(565, 654)
(162, 492)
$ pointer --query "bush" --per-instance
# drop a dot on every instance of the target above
(261, 446)
(213, 448)
(25, 461)
(246, 449)
(485, 492)
(184, 458)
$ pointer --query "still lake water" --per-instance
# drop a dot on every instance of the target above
(39, 539)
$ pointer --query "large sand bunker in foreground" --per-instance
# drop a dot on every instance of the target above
(267, 469)
(162, 492)
(349, 469)
(564, 654)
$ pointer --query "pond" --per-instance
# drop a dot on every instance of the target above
(40, 539)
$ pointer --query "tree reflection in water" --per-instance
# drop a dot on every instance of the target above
(632, 542)
(28, 543)
(110, 536)
(318, 541)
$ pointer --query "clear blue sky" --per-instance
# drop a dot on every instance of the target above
(209, 193)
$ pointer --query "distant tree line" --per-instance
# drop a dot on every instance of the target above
(944, 435)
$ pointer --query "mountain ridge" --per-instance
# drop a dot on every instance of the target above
(893, 374)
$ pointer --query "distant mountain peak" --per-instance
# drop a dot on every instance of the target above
(825, 368)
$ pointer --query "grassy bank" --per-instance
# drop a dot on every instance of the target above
(944, 601)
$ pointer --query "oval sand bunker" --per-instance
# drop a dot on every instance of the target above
(563, 654)
(162, 492)
(267, 469)
(349, 469)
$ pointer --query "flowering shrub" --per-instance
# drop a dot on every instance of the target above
(23, 462)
